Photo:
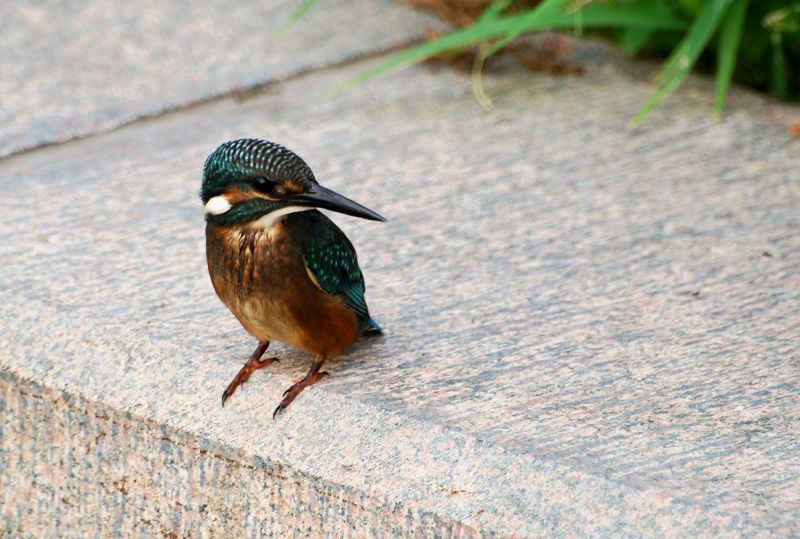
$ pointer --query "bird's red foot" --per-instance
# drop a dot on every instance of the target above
(244, 375)
(290, 394)
(253, 364)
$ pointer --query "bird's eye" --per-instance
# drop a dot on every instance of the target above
(263, 185)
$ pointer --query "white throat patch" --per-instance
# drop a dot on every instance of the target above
(217, 205)
(267, 221)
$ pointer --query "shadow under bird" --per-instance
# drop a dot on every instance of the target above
(283, 268)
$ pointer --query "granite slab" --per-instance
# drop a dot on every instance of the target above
(590, 330)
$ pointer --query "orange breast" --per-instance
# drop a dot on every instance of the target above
(320, 323)
(262, 279)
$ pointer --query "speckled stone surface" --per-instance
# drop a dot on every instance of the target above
(76, 67)
(590, 330)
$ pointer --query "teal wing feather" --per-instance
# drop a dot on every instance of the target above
(331, 258)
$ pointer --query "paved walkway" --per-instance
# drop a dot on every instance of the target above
(590, 330)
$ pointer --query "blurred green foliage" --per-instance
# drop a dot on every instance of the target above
(755, 42)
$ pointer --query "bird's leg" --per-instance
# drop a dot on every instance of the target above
(311, 378)
(253, 364)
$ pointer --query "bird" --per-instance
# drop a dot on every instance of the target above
(283, 268)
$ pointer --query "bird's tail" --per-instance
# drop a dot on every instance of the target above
(371, 327)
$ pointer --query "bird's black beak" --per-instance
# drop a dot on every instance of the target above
(322, 197)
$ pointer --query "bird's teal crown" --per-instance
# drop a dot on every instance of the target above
(243, 160)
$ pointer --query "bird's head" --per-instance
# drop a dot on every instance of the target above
(250, 180)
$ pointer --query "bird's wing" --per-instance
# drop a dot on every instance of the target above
(332, 262)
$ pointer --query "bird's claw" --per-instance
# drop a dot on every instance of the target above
(244, 375)
(278, 410)
(231, 389)
(294, 390)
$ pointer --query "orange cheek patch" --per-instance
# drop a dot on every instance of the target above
(235, 196)
(291, 187)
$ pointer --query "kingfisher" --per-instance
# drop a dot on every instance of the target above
(284, 269)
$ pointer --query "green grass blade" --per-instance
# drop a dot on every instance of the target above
(634, 39)
(529, 20)
(301, 10)
(779, 85)
(783, 25)
(621, 16)
(686, 53)
(692, 6)
(729, 39)
(594, 16)
(494, 10)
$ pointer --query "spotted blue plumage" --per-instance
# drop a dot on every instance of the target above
(332, 260)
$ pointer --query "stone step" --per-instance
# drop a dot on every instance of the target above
(590, 330)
